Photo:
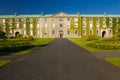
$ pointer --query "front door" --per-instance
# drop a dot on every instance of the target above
(61, 34)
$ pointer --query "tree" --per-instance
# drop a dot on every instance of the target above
(27, 26)
(94, 26)
(87, 27)
(7, 27)
(20, 23)
(2, 34)
(101, 22)
(79, 26)
(118, 30)
(114, 28)
(72, 25)
(34, 26)
(13, 25)
(1, 28)
(107, 22)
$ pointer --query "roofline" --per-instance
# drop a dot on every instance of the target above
(50, 15)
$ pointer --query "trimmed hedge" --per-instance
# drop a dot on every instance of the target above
(14, 46)
(101, 45)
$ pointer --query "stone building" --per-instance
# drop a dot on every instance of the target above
(60, 25)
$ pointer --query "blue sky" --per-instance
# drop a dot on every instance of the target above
(55, 6)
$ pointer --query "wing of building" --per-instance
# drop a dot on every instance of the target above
(60, 25)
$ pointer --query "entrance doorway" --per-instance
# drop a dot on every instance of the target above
(16, 34)
(103, 33)
(61, 34)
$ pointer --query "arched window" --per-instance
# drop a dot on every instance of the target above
(61, 25)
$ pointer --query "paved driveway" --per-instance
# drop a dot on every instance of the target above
(59, 60)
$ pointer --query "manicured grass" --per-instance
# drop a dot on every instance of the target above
(83, 43)
(42, 41)
(37, 43)
(114, 61)
(4, 62)
(22, 46)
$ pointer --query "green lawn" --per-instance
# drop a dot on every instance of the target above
(83, 43)
(18, 45)
(114, 61)
(42, 41)
(37, 43)
(4, 62)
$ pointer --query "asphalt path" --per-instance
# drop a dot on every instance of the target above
(59, 60)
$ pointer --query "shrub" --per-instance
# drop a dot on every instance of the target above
(115, 37)
(91, 37)
(2, 34)
(30, 38)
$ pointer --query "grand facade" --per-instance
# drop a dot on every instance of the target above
(60, 25)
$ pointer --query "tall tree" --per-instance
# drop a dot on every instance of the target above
(87, 26)
(7, 26)
(34, 26)
(72, 25)
(94, 26)
(114, 28)
(20, 23)
(101, 22)
(80, 26)
(13, 25)
(1, 27)
(107, 22)
(27, 26)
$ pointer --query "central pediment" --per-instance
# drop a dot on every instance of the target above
(61, 14)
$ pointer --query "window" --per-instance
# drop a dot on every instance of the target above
(68, 32)
(31, 32)
(45, 25)
(76, 25)
(104, 24)
(3, 20)
(38, 25)
(53, 25)
(91, 25)
(31, 25)
(75, 19)
(110, 24)
(61, 25)
(97, 24)
(60, 19)
(53, 19)
(45, 19)
(90, 31)
(38, 32)
(31, 20)
(84, 19)
(97, 19)
(84, 25)
(24, 25)
(84, 32)
(104, 19)
(90, 19)
(97, 32)
(45, 32)
(68, 25)
(68, 19)
(53, 32)
(17, 25)
(76, 32)
(110, 32)
(17, 20)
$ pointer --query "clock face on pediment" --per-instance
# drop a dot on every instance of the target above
(61, 14)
